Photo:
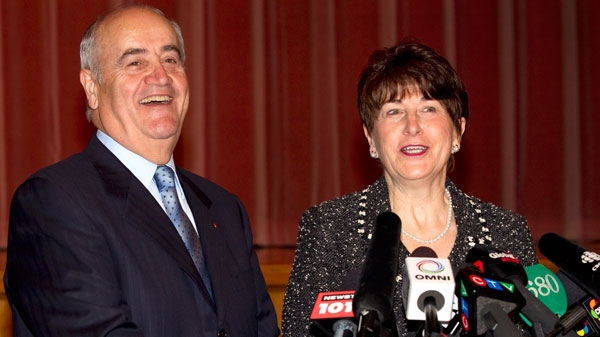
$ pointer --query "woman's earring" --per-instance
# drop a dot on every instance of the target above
(374, 154)
(454, 149)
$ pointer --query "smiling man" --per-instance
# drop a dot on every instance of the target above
(138, 92)
(117, 241)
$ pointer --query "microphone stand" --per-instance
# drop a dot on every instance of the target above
(498, 322)
(368, 324)
(432, 325)
(568, 321)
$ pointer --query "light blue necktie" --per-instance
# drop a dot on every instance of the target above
(165, 181)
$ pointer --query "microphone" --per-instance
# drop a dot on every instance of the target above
(333, 309)
(372, 302)
(502, 264)
(579, 298)
(331, 315)
(551, 291)
(547, 287)
(568, 322)
(453, 328)
(497, 263)
(579, 274)
(428, 288)
(486, 302)
(344, 328)
(576, 262)
(333, 304)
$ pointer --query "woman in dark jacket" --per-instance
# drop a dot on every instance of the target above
(414, 110)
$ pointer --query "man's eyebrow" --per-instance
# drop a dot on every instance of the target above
(132, 51)
(172, 47)
(140, 51)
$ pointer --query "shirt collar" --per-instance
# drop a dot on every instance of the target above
(141, 168)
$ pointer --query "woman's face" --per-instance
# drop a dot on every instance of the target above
(413, 138)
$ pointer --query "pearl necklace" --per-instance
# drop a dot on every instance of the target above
(441, 235)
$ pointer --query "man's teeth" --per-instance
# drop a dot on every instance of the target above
(414, 149)
(156, 99)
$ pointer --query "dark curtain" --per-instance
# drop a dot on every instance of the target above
(273, 105)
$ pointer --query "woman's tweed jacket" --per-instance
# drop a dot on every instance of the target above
(333, 238)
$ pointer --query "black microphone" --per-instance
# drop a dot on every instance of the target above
(330, 308)
(577, 297)
(332, 312)
(372, 302)
(485, 303)
(569, 321)
(423, 251)
(576, 262)
(501, 264)
(578, 273)
(498, 263)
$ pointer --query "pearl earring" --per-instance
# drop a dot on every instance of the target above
(374, 154)
(454, 149)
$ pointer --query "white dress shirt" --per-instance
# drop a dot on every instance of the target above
(144, 170)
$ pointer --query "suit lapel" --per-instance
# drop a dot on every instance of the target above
(141, 209)
(214, 245)
(142, 213)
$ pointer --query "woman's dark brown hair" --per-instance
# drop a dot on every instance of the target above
(393, 72)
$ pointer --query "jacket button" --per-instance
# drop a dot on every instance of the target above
(222, 333)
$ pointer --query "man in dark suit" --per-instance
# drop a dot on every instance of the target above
(93, 249)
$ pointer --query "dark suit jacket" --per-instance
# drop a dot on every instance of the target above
(91, 253)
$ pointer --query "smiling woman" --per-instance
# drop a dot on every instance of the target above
(273, 100)
(414, 110)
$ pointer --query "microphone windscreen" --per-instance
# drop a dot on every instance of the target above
(547, 287)
(559, 250)
(376, 289)
(577, 262)
(573, 290)
(333, 306)
(497, 263)
(579, 297)
(500, 264)
(477, 291)
(423, 252)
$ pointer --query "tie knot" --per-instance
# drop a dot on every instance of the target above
(164, 177)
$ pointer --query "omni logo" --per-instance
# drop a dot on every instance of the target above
(430, 266)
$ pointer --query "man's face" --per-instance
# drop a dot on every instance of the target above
(142, 94)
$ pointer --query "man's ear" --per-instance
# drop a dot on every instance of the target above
(89, 84)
